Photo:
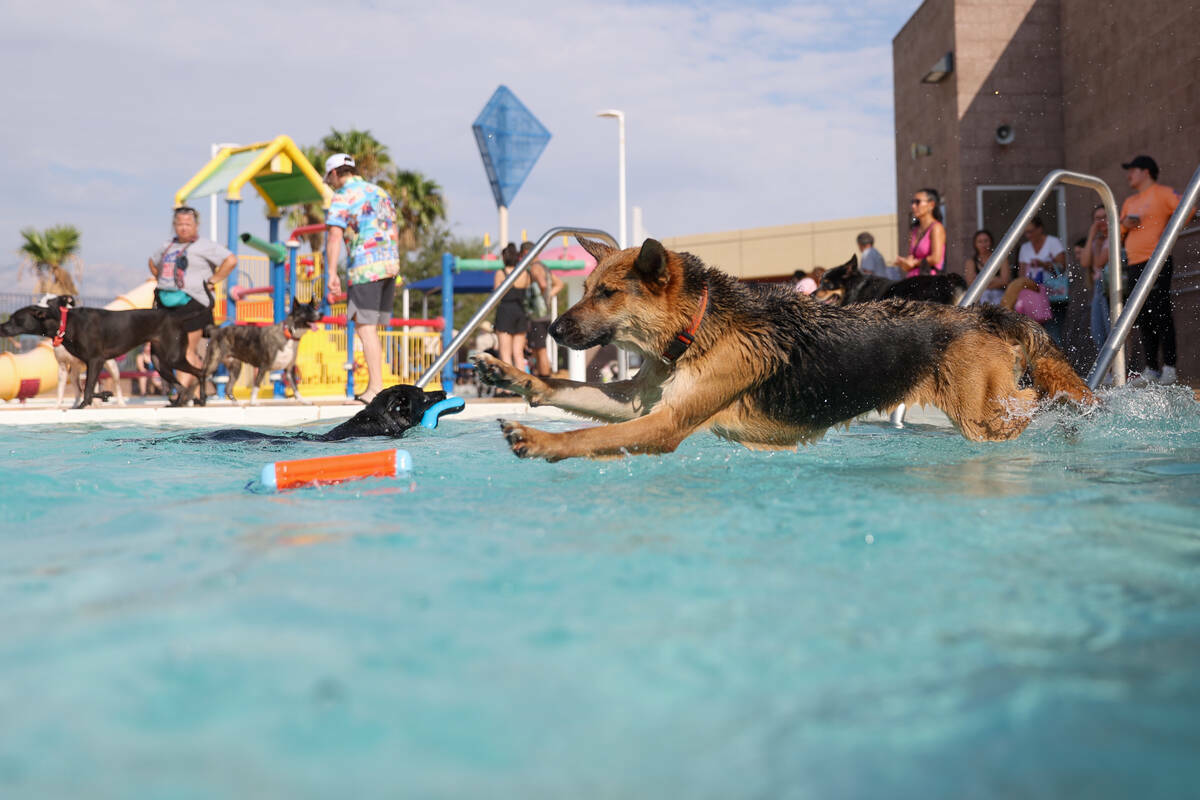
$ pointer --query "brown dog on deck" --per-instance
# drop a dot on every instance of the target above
(770, 368)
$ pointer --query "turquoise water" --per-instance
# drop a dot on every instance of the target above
(883, 614)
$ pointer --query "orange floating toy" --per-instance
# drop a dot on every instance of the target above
(335, 469)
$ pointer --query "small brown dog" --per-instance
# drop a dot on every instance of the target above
(767, 367)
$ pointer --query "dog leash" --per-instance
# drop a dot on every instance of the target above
(62, 326)
(683, 340)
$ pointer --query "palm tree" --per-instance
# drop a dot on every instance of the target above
(48, 252)
(419, 205)
(370, 154)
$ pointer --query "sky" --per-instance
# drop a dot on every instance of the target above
(737, 114)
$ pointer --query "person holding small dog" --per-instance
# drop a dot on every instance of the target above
(363, 217)
(927, 238)
(182, 267)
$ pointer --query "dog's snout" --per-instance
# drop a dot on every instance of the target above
(560, 328)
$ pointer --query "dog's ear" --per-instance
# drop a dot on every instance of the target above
(852, 264)
(651, 262)
(597, 250)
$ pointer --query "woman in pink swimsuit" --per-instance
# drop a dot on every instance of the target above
(927, 239)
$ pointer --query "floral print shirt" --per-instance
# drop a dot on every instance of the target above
(367, 215)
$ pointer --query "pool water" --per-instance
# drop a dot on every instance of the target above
(883, 614)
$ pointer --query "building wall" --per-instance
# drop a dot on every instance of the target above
(1085, 84)
(778, 251)
(1129, 91)
(926, 113)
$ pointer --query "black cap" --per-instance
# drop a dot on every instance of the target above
(1143, 162)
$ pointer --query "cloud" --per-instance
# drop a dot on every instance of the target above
(738, 114)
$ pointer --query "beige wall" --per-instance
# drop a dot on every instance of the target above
(779, 251)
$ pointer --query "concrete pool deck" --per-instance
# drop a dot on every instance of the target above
(288, 413)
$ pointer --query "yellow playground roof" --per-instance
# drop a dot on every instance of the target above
(276, 169)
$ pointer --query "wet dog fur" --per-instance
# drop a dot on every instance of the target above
(771, 368)
(393, 411)
(265, 348)
(848, 284)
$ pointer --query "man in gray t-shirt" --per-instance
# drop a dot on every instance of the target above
(182, 266)
(871, 260)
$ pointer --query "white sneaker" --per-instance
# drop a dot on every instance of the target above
(1150, 375)
(1168, 374)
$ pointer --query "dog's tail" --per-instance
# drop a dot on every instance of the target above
(1053, 375)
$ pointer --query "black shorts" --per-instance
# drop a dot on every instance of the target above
(371, 303)
(191, 316)
(538, 329)
(511, 318)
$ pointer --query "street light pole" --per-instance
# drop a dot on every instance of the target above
(623, 240)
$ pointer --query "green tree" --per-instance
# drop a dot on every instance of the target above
(427, 262)
(370, 155)
(420, 204)
(48, 252)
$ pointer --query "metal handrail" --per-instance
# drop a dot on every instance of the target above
(449, 350)
(1145, 283)
(1116, 356)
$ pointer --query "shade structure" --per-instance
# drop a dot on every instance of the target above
(465, 282)
(277, 170)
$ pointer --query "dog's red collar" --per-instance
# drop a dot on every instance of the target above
(62, 326)
(287, 333)
(683, 340)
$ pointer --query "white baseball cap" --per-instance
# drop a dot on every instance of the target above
(338, 160)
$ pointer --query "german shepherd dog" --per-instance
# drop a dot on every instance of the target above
(770, 368)
(265, 348)
(847, 284)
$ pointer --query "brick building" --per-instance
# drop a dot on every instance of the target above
(1078, 84)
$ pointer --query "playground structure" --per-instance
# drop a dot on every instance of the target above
(260, 290)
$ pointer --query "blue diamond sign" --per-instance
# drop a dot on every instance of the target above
(510, 141)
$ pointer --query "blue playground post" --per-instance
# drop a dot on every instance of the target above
(448, 370)
(232, 244)
(280, 293)
(224, 390)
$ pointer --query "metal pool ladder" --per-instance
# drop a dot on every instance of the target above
(450, 349)
(1112, 354)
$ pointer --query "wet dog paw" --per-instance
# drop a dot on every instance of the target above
(492, 371)
(527, 442)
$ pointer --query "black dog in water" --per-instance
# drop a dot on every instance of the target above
(391, 413)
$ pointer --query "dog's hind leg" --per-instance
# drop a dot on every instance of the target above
(291, 383)
(978, 390)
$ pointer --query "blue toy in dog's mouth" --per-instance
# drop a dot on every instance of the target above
(451, 405)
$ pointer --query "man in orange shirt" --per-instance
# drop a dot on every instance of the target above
(1144, 215)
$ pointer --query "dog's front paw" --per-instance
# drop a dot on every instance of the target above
(528, 442)
(494, 372)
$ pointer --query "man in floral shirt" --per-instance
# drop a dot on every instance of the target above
(362, 217)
